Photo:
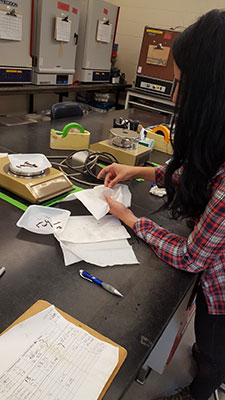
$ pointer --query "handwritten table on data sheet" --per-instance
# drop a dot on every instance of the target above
(55, 360)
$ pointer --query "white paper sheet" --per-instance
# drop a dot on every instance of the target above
(94, 200)
(104, 32)
(69, 197)
(62, 361)
(43, 220)
(86, 229)
(103, 254)
(10, 26)
(69, 256)
(63, 30)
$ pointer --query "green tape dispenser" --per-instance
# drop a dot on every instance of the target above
(72, 137)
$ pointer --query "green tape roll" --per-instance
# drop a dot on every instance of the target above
(67, 128)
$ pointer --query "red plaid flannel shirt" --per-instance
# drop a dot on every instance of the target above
(203, 250)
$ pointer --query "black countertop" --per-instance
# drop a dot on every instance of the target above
(35, 268)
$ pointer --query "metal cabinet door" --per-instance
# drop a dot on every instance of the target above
(53, 55)
(13, 52)
(97, 55)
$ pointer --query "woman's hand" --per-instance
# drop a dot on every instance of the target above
(115, 173)
(120, 211)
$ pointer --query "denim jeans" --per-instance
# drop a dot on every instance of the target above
(210, 339)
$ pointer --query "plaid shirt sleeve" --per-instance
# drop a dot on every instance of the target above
(160, 175)
(203, 246)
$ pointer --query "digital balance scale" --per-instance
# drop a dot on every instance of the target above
(35, 181)
(124, 145)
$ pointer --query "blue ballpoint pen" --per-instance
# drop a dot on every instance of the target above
(105, 286)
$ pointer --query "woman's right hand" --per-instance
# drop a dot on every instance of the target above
(115, 173)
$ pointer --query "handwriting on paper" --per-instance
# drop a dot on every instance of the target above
(64, 363)
(48, 223)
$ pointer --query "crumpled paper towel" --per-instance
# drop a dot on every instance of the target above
(94, 200)
(160, 192)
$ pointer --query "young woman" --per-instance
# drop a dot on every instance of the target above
(195, 184)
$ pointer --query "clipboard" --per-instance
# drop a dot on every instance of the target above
(158, 55)
(41, 305)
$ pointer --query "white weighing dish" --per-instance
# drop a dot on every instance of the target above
(32, 163)
(43, 220)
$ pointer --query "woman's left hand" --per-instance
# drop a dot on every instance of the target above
(120, 211)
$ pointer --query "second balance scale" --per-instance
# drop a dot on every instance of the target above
(31, 177)
(124, 145)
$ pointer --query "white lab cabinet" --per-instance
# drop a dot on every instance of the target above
(55, 35)
(98, 21)
(15, 28)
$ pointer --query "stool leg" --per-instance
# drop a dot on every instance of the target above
(215, 395)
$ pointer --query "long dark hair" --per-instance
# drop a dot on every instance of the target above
(199, 132)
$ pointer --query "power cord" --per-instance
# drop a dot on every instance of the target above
(105, 157)
(85, 162)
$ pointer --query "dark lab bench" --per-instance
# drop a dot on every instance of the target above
(35, 269)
